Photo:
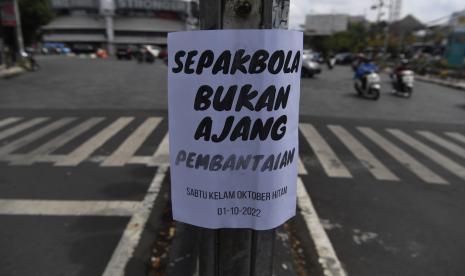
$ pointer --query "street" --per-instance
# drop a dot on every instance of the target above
(84, 155)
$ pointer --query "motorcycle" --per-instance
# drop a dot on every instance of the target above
(403, 83)
(369, 86)
(331, 62)
(28, 62)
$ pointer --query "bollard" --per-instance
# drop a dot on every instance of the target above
(239, 251)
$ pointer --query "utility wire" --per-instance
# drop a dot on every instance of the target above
(449, 16)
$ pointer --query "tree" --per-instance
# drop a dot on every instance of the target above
(34, 14)
(352, 40)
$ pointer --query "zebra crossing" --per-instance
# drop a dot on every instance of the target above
(49, 135)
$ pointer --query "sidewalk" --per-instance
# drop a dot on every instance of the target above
(10, 72)
(445, 82)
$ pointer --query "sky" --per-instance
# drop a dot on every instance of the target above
(425, 10)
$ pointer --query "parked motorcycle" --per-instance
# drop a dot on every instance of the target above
(369, 86)
(403, 83)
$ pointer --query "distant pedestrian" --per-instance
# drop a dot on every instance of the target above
(33, 62)
(8, 57)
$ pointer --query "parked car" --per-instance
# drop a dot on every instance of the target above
(101, 53)
(310, 64)
(82, 48)
(163, 55)
(151, 53)
(307, 54)
(344, 58)
(55, 48)
(318, 57)
(126, 52)
(310, 68)
(148, 53)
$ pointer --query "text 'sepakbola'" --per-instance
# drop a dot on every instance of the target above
(235, 98)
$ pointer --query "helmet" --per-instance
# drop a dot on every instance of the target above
(404, 61)
(366, 59)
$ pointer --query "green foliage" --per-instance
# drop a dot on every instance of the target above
(352, 40)
(34, 14)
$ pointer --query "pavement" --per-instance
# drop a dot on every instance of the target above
(83, 166)
(458, 84)
(10, 72)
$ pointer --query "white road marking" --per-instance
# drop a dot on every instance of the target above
(328, 159)
(56, 143)
(326, 255)
(457, 136)
(136, 225)
(162, 154)
(29, 138)
(376, 168)
(67, 207)
(301, 168)
(16, 157)
(145, 160)
(18, 128)
(431, 153)
(131, 235)
(9, 121)
(54, 158)
(402, 157)
(452, 147)
(127, 149)
(85, 150)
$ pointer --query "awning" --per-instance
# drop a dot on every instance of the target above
(74, 38)
(135, 24)
(143, 24)
(75, 22)
(140, 40)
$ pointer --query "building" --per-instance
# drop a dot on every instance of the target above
(457, 21)
(455, 51)
(110, 23)
(325, 24)
(406, 25)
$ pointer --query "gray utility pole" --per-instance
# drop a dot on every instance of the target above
(19, 32)
(380, 7)
(241, 252)
(107, 9)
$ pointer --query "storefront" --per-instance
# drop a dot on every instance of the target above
(115, 23)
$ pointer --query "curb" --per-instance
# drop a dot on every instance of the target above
(11, 72)
(315, 240)
(448, 83)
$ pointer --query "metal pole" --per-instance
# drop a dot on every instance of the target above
(380, 11)
(239, 251)
(19, 32)
(386, 38)
(110, 34)
(107, 9)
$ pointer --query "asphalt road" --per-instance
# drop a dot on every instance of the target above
(387, 178)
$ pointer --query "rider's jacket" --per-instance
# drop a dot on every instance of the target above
(365, 68)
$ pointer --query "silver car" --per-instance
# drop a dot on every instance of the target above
(309, 66)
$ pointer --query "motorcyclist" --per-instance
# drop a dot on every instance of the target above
(28, 56)
(403, 66)
(357, 61)
(330, 60)
(366, 66)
